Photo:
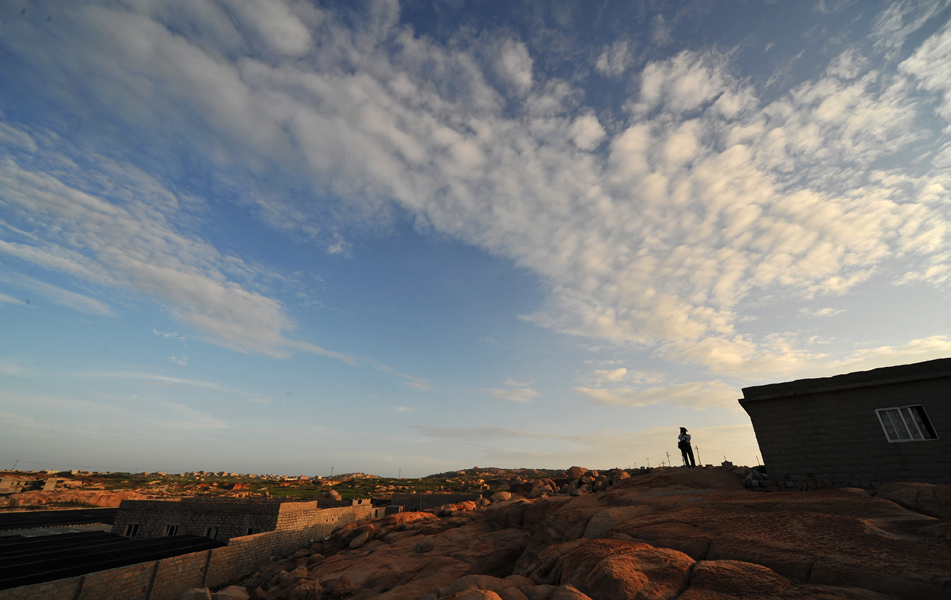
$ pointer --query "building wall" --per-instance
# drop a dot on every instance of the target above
(232, 518)
(835, 436)
(166, 579)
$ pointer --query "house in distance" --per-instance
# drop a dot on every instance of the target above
(857, 429)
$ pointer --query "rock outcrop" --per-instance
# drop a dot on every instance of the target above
(683, 534)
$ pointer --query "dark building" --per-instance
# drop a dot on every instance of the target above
(226, 518)
(888, 424)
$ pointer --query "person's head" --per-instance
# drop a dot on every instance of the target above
(683, 430)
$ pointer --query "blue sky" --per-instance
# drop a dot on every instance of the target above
(407, 238)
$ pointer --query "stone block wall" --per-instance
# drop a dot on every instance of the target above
(232, 518)
(178, 573)
(411, 502)
(834, 437)
(296, 515)
(166, 579)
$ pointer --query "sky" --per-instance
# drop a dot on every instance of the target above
(407, 238)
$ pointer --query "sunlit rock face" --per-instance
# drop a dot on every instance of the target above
(668, 534)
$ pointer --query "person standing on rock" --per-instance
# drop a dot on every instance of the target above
(683, 442)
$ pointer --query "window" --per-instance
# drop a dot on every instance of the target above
(171, 530)
(211, 532)
(906, 424)
(131, 530)
(252, 530)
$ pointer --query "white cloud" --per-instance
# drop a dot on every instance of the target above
(56, 295)
(611, 375)
(479, 432)
(135, 245)
(169, 335)
(820, 312)
(661, 31)
(697, 395)
(159, 379)
(274, 25)
(4, 299)
(514, 394)
(917, 350)
(614, 59)
(586, 132)
(684, 83)
(414, 382)
(403, 409)
(179, 360)
(11, 369)
(847, 65)
(514, 65)
(706, 195)
(928, 65)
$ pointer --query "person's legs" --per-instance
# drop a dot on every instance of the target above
(683, 453)
(689, 451)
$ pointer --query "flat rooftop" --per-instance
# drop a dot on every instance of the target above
(931, 369)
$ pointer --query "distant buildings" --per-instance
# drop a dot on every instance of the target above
(888, 424)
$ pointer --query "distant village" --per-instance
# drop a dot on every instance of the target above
(67, 489)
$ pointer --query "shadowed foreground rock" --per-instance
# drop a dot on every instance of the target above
(672, 534)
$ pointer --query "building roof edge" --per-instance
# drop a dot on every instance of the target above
(931, 369)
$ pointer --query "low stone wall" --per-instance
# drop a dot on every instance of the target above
(166, 579)
(411, 502)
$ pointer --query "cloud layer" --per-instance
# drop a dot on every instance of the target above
(653, 225)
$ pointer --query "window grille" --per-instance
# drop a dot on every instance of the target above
(211, 532)
(906, 423)
(171, 530)
(131, 530)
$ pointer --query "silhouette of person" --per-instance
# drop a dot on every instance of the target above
(683, 442)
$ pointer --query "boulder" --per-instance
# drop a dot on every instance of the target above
(306, 590)
(737, 578)
(575, 472)
(360, 539)
(425, 545)
(232, 592)
(339, 587)
(538, 592)
(620, 569)
(501, 496)
(480, 582)
(609, 518)
(508, 514)
(538, 560)
(474, 594)
(512, 593)
(404, 520)
(195, 594)
(925, 498)
(568, 592)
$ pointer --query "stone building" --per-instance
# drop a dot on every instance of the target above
(888, 424)
(225, 518)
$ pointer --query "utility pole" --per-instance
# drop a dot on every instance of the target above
(757, 460)
(697, 448)
(331, 471)
(15, 464)
(400, 476)
(668, 458)
(648, 463)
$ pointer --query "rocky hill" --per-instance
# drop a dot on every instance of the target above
(671, 534)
